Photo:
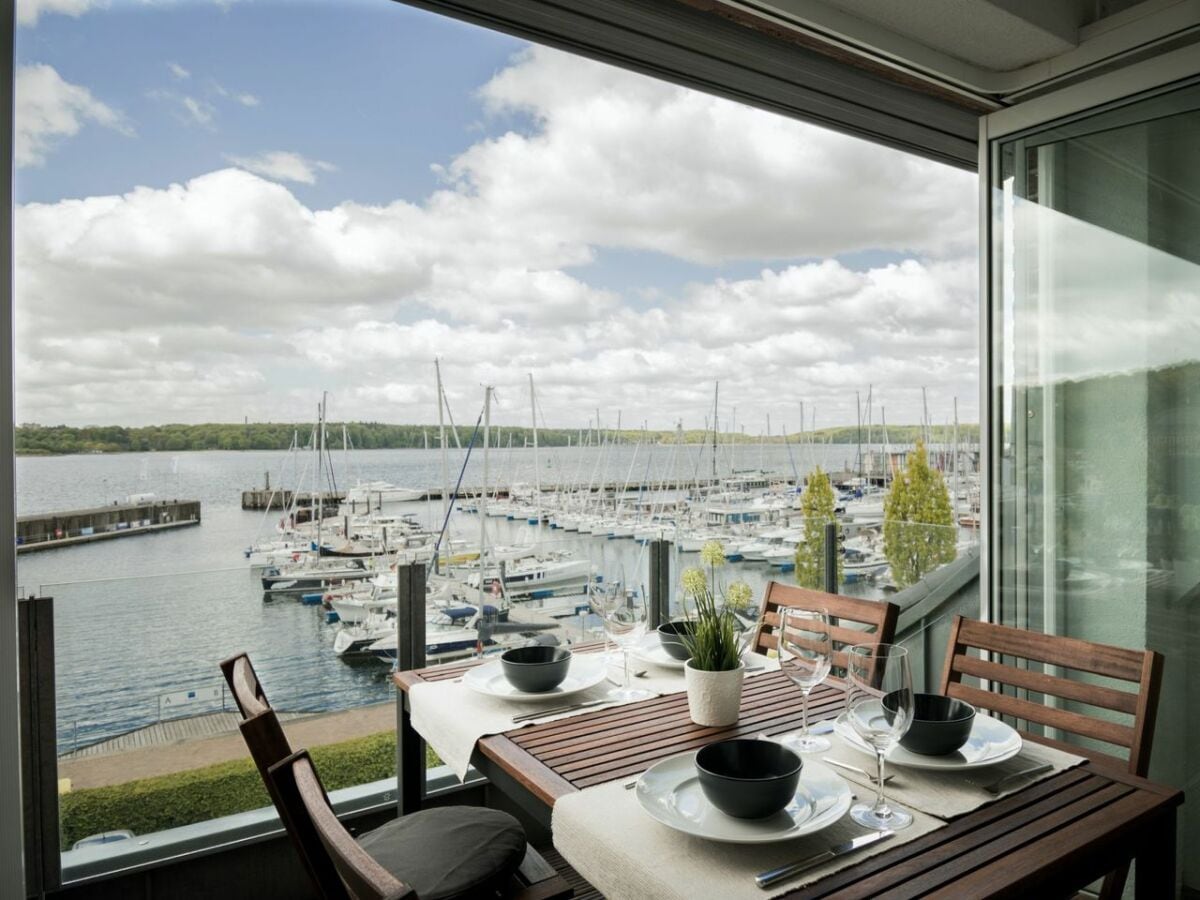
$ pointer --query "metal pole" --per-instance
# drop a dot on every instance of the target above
(38, 763)
(410, 654)
(660, 583)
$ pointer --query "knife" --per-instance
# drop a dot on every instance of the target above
(555, 710)
(770, 877)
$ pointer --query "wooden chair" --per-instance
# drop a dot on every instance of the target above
(1133, 734)
(856, 621)
(433, 847)
(306, 810)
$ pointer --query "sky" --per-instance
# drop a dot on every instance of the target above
(227, 207)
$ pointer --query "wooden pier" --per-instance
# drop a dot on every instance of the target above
(265, 498)
(46, 531)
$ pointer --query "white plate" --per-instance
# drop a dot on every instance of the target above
(991, 742)
(649, 649)
(670, 792)
(585, 672)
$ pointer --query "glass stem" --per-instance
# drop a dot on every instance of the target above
(803, 713)
(881, 808)
(625, 657)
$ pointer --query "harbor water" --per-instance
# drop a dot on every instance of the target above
(140, 620)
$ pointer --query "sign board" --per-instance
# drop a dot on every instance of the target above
(190, 698)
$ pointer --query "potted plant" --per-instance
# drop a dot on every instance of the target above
(714, 671)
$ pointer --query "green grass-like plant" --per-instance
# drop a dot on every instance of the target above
(714, 643)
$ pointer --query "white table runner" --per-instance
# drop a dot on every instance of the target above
(603, 832)
(452, 717)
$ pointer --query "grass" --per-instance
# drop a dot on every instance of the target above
(184, 798)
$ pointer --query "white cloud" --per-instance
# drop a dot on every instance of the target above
(200, 112)
(29, 11)
(618, 159)
(242, 97)
(49, 108)
(178, 72)
(186, 108)
(283, 165)
(223, 288)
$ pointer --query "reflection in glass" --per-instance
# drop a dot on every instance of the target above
(1096, 369)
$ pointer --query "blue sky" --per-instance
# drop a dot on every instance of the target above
(381, 88)
(314, 195)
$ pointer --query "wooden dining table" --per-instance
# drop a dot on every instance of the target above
(1050, 839)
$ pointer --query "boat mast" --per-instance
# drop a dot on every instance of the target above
(926, 433)
(437, 368)
(716, 396)
(487, 421)
(320, 468)
(954, 463)
(858, 432)
(537, 471)
(870, 430)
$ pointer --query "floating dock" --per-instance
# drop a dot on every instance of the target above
(46, 531)
(266, 498)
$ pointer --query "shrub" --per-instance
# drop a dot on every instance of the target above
(183, 798)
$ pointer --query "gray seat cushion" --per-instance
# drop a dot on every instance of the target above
(453, 851)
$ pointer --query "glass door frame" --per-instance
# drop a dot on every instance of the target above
(1129, 85)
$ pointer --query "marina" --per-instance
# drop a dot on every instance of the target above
(178, 600)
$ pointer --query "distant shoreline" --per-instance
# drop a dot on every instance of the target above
(63, 440)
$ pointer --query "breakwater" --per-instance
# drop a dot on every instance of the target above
(45, 531)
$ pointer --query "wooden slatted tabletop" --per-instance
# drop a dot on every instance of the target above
(1054, 837)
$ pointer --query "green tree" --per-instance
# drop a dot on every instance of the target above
(918, 522)
(816, 504)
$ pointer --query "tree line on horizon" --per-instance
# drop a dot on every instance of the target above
(47, 440)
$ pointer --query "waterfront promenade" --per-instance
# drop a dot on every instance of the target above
(179, 745)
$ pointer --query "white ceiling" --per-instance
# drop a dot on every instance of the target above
(991, 48)
(981, 32)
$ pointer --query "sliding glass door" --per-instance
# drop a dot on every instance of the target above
(1094, 393)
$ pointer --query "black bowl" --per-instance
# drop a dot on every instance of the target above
(535, 670)
(669, 636)
(940, 724)
(748, 779)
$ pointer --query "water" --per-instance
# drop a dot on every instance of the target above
(140, 617)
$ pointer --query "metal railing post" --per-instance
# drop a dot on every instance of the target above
(660, 583)
(831, 558)
(410, 654)
(39, 744)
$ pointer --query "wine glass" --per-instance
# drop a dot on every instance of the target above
(805, 656)
(625, 622)
(879, 708)
(602, 599)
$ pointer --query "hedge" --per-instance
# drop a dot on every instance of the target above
(183, 798)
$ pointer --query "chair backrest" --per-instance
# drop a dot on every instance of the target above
(244, 685)
(312, 823)
(856, 621)
(1143, 668)
(268, 745)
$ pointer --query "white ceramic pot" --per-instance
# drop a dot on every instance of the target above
(714, 698)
